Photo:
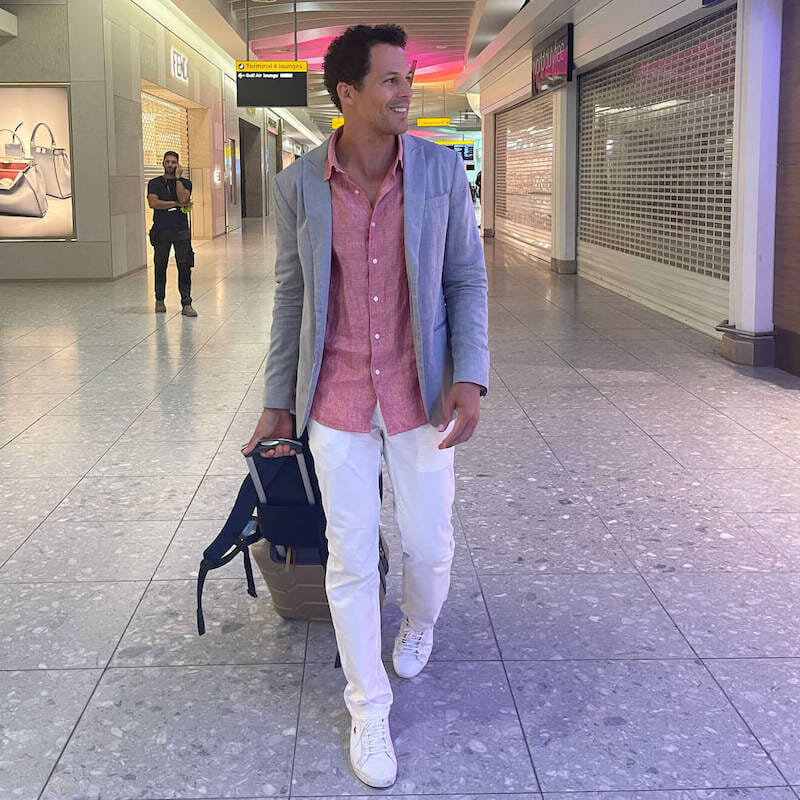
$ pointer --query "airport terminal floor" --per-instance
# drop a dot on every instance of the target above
(625, 606)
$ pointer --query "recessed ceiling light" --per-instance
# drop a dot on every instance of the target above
(438, 46)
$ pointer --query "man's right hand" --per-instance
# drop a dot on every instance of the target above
(275, 423)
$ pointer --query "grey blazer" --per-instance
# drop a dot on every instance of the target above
(446, 278)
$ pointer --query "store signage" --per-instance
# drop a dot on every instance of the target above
(337, 122)
(552, 62)
(465, 148)
(179, 65)
(434, 122)
(273, 84)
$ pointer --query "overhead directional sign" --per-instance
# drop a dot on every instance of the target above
(272, 84)
(433, 122)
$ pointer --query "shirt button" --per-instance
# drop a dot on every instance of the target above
(377, 336)
(357, 192)
(374, 260)
(377, 372)
(375, 299)
(372, 224)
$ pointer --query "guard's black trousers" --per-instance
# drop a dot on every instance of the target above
(180, 240)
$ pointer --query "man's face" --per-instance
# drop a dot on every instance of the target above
(170, 164)
(383, 100)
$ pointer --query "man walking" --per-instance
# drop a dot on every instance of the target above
(379, 337)
(168, 195)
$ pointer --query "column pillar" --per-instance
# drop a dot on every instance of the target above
(748, 338)
(488, 138)
(565, 178)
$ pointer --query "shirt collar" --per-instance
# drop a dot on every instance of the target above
(333, 161)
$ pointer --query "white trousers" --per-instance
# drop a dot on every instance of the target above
(348, 466)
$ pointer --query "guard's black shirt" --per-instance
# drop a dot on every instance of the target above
(168, 218)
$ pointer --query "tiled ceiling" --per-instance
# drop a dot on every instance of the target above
(437, 30)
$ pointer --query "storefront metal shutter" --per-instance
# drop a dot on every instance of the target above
(524, 175)
(656, 167)
(165, 126)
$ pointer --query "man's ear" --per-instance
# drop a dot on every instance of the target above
(346, 93)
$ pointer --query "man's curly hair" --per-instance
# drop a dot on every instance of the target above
(348, 56)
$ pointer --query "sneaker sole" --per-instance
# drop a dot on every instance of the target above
(373, 785)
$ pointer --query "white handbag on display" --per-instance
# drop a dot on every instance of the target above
(22, 189)
(14, 148)
(53, 162)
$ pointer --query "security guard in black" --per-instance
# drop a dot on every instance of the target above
(165, 195)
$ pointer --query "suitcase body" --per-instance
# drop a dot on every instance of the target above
(298, 589)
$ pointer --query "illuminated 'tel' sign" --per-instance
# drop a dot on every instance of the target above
(179, 66)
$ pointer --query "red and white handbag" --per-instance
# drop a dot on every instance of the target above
(22, 189)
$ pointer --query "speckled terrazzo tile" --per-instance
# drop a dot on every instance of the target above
(463, 632)
(97, 428)
(183, 732)
(781, 532)
(89, 551)
(153, 498)
(12, 534)
(143, 459)
(628, 725)
(183, 556)
(563, 541)
(629, 492)
(531, 376)
(239, 629)
(554, 617)
(11, 427)
(229, 460)
(765, 692)
(734, 614)
(598, 418)
(540, 492)
(157, 426)
(31, 499)
(40, 708)
(172, 400)
(703, 542)
(769, 793)
(752, 491)
(87, 402)
(63, 625)
(215, 497)
(517, 451)
(705, 451)
(43, 459)
(454, 728)
(585, 452)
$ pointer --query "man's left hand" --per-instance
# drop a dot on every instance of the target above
(463, 399)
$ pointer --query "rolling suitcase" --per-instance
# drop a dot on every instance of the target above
(286, 537)
(295, 574)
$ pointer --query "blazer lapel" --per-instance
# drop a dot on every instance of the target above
(414, 179)
(317, 206)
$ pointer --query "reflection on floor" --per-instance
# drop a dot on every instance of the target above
(625, 607)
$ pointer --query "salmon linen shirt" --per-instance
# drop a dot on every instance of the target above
(369, 345)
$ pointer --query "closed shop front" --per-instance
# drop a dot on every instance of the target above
(524, 175)
(165, 126)
(655, 172)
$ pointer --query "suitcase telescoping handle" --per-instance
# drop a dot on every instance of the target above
(271, 444)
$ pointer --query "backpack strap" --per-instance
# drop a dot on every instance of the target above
(242, 545)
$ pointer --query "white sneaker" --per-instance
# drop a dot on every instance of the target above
(412, 649)
(372, 753)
